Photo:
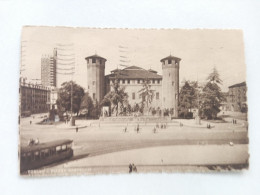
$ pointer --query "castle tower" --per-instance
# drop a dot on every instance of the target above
(170, 83)
(96, 77)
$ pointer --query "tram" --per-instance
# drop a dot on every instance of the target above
(36, 156)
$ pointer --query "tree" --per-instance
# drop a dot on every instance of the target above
(64, 97)
(86, 105)
(212, 96)
(187, 98)
(116, 97)
(147, 94)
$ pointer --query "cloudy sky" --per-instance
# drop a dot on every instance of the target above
(200, 51)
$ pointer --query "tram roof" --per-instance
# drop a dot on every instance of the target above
(45, 145)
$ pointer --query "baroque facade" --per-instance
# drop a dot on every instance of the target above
(165, 87)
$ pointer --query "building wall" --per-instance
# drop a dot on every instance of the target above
(45, 69)
(170, 85)
(134, 87)
(34, 98)
(48, 69)
(236, 98)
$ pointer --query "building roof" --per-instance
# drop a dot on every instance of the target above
(134, 72)
(151, 70)
(238, 85)
(170, 57)
(95, 56)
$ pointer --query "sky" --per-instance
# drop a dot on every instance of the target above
(200, 51)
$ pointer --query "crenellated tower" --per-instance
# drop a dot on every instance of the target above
(170, 83)
(96, 77)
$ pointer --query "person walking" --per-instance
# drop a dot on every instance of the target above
(77, 129)
(130, 168)
(134, 168)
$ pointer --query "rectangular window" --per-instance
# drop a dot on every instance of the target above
(128, 81)
(93, 60)
(94, 96)
(169, 61)
(138, 81)
(158, 81)
(157, 95)
(123, 81)
(153, 81)
(133, 96)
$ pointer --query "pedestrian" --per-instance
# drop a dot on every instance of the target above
(125, 129)
(77, 129)
(134, 168)
(36, 141)
(154, 130)
(130, 168)
(30, 122)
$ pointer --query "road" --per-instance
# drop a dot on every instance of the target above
(107, 139)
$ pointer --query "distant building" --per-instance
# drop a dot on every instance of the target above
(48, 70)
(165, 87)
(237, 99)
(34, 98)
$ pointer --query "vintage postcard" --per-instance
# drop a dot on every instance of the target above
(106, 101)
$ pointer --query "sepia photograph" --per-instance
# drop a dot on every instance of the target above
(129, 101)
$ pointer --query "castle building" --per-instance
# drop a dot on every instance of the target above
(48, 70)
(165, 87)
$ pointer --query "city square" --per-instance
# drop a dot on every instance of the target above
(135, 108)
(102, 147)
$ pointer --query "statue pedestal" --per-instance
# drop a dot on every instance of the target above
(197, 120)
(72, 121)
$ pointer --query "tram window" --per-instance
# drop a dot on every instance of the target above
(45, 153)
(24, 156)
(36, 155)
(69, 145)
(63, 147)
(58, 148)
(29, 156)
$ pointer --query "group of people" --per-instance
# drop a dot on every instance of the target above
(162, 126)
(33, 141)
(208, 125)
(137, 128)
(234, 121)
(132, 168)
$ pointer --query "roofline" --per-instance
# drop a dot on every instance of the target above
(44, 145)
(238, 85)
(93, 56)
(170, 57)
